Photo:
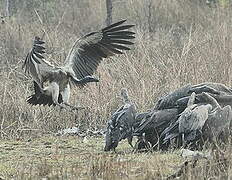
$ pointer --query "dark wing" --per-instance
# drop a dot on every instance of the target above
(159, 120)
(169, 101)
(171, 132)
(88, 51)
(35, 65)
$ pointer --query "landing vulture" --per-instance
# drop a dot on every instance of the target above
(81, 62)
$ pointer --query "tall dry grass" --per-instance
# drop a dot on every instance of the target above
(177, 42)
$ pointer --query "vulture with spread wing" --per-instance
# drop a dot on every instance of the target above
(81, 62)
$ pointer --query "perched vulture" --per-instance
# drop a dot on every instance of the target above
(193, 119)
(190, 122)
(120, 125)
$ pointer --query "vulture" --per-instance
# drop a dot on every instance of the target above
(120, 125)
(218, 125)
(81, 62)
(190, 122)
(193, 119)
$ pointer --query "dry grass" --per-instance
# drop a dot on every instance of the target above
(71, 158)
(49, 157)
(177, 42)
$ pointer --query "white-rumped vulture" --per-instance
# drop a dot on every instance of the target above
(120, 125)
(81, 62)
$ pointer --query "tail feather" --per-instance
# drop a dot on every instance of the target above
(43, 99)
(40, 98)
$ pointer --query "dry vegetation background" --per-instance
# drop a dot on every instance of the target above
(177, 42)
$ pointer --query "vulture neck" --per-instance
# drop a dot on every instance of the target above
(126, 99)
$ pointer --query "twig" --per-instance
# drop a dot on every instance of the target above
(43, 27)
(3, 116)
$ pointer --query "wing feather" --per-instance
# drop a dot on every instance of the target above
(121, 37)
(121, 33)
(119, 28)
(87, 52)
(121, 47)
(78, 68)
(121, 42)
(110, 48)
(114, 25)
(35, 65)
(83, 67)
(88, 65)
(90, 62)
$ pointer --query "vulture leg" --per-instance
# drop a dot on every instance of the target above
(55, 93)
(66, 95)
(129, 139)
(54, 89)
(183, 140)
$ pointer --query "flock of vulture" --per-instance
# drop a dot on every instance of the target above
(188, 117)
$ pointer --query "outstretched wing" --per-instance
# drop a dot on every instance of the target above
(35, 65)
(88, 51)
